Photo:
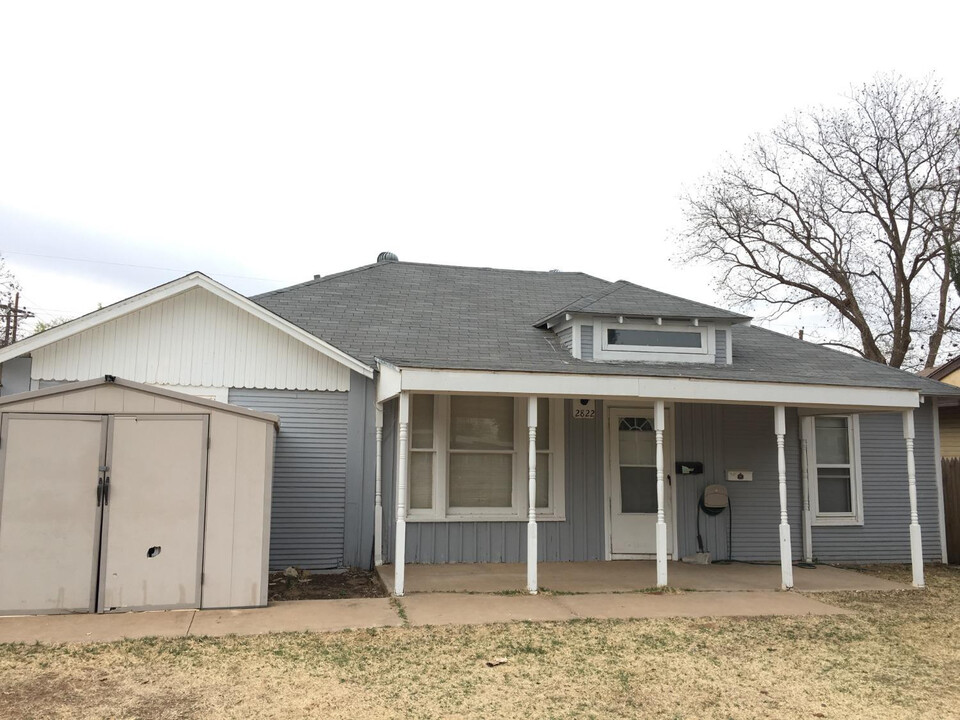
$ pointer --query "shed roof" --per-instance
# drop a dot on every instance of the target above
(109, 380)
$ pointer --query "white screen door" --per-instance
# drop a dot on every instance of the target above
(633, 497)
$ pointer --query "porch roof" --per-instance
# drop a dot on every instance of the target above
(393, 380)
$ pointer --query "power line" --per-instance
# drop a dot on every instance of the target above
(145, 267)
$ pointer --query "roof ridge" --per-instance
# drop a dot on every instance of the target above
(686, 300)
(316, 280)
(370, 266)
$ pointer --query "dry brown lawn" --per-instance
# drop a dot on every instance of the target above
(896, 657)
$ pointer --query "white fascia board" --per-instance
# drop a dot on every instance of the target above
(388, 381)
(168, 290)
(682, 389)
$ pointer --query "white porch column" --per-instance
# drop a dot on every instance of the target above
(658, 422)
(400, 545)
(532, 497)
(378, 497)
(786, 552)
(916, 546)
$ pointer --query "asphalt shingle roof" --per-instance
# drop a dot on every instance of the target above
(625, 298)
(440, 316)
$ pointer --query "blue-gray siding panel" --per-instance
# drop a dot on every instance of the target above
(722, 437)
(885, 534)
(730, 437)
(586, 342)
(579, 537)
(361, 473)
(309, 475)
(15, 376)
(720, 346)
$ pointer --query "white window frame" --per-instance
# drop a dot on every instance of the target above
(441, 512)
(602, 350)
(855, 516)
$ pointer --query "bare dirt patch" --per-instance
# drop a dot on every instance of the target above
(896, 657)
(351, 583)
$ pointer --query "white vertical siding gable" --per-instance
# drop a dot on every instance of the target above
(192, 339)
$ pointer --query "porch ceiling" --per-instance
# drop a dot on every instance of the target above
(626, 576)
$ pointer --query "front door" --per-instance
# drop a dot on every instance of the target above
(633, 491)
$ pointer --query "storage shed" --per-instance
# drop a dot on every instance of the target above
(117, 496)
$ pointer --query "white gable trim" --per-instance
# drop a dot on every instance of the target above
(170, 289)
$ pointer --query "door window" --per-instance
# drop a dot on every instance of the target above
(638, 465)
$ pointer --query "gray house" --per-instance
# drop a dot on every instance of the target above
(438, 414)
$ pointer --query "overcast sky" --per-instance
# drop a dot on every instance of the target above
(263, 144)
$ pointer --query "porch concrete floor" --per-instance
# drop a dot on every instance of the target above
(626, 576)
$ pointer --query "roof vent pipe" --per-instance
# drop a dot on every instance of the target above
(387, 257)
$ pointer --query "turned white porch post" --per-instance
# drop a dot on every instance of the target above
(916, 546)
(532, 496)
(786, 552)
(400, 545)
(658, 423)
(378, 496)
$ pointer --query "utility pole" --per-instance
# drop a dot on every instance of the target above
(12, 325)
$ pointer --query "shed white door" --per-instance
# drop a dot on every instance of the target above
(633, 496)
(153, 516)
(49, 514)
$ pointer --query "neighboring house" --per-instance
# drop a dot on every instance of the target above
(438, 414)
(949, 373)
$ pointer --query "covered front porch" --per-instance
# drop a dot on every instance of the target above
(483, 471)
(623, 576)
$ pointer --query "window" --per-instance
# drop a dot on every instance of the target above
(833, 469)
(655, 338)
(669, 341)
(468, 458)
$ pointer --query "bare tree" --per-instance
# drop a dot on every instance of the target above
(850, 210)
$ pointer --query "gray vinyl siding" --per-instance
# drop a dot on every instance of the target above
(720, 346)
(361, 473)
(586, 342)
(566, 338)
(15, 376)
(736, 437)
(309, 475)
(722, 437)
(885, 534)
(579, 537)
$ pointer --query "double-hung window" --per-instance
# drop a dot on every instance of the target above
(469, 454)
(833, 469)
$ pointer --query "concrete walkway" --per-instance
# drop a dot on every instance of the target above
(419, 609)
(626, 576)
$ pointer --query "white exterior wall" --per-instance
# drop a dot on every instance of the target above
(192, 339)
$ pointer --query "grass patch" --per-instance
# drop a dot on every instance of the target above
(896, 657)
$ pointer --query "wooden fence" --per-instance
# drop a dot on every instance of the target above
(951, 507)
